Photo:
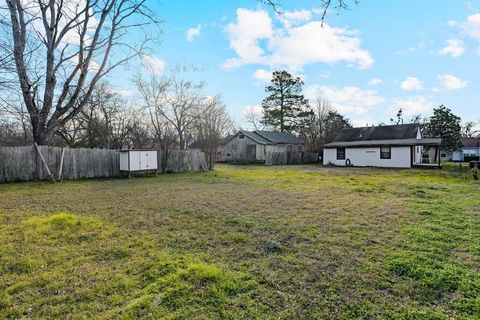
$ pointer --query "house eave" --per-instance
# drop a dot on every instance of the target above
(379, 143)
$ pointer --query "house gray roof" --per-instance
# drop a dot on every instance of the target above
(269, 137)
(256, 137)
(403, 131)
(279, 137)
(471, 142)
(390, 142)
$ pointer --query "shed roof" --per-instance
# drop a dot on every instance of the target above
(403, 131)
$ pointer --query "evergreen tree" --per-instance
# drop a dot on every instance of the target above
(285, 109)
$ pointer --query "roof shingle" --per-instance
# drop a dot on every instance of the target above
(404, 131)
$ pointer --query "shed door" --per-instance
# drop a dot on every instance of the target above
(251, 152)
(135, 160)
(144, 160)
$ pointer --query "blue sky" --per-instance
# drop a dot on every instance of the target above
(368, 61)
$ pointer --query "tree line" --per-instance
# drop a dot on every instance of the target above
(55, 58)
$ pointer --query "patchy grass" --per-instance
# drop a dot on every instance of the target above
(244, 242)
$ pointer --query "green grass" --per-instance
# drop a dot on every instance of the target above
(244, 242)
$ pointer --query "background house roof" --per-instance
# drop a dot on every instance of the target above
(254, 136)
(403, 131)
(471, 142)
(279, 137)
(268, 137)
(391, 142)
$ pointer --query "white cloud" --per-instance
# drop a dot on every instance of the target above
(410, 106)
(374, 82)
(298, 43)
(451, 82)
(454, 48)
(263, 75)
(153, 64)
(123, 92)
(292, 18)
(347, 99)
(192, 33)
(472, 26)
(411, 83)
(312, 43)
(452, 23)
(361, 122)
(253, 109)
(244, 36)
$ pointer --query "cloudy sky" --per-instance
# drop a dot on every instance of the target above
(368, 61)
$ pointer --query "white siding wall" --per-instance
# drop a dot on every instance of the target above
(369, 157)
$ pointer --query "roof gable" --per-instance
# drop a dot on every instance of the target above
(395, 132)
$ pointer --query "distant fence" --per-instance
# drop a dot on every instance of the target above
(290, 158)
(26, 164)
(183, 161)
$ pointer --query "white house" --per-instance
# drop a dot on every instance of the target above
(470, 151)
(252, 146)
(397, 146)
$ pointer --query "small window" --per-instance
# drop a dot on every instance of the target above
(299, 148)
(385, 153)
(241, 136)
(340, 153)
(444, 155)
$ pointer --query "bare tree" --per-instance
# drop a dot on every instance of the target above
(61, 49)
(323, 125)
(212, 124)
(254, 118)
(105, 121)
(176, 100)
(471, 129)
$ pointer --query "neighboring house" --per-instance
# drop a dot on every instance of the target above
(470, 151)
(252, 146)
(201, 144)
(398, 146)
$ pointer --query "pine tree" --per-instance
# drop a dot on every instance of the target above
(285, 109)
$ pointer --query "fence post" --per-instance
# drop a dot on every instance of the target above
(61, 165)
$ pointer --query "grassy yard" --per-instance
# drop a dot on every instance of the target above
(244, 242)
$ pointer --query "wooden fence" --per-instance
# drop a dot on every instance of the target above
(290, 158)
(26, 164)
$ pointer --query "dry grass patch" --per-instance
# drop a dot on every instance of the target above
(244, 242)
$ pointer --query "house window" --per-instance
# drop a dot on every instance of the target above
(241, 136)
(385, 152)
(299, 148)
(444, 155)
(340, 153)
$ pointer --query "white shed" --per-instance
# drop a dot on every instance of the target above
(138, 160)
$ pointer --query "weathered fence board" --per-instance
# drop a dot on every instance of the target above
(184, 161)
(25, 164)
(290, 158)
